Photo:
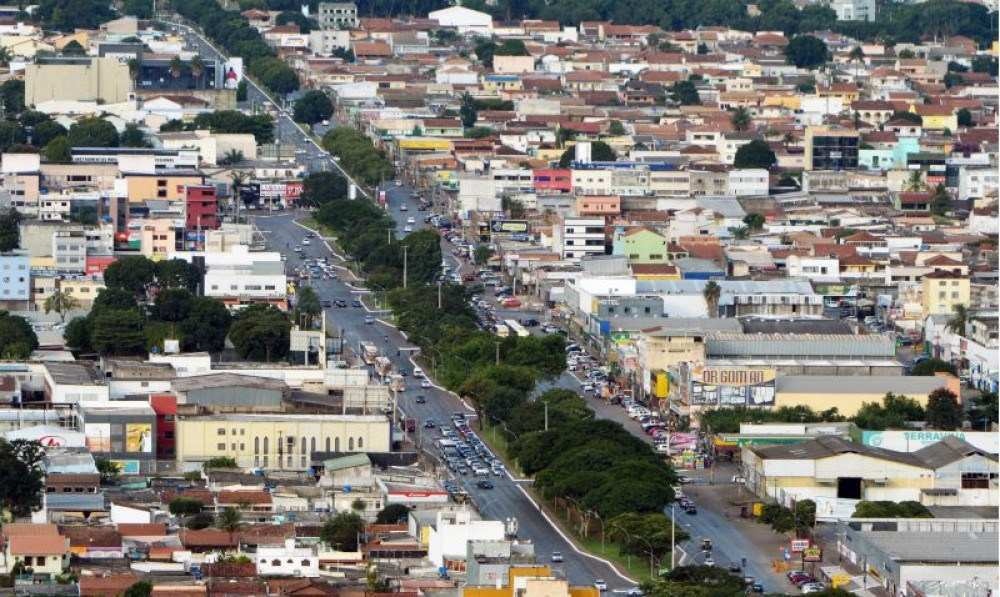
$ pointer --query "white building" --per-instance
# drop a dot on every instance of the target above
(815, 269)
(466, 20)
(338, 15)
(239, 277)
(324, 41)
(69, 250)
(748, 182)
(451, 532)
(286, 560)
(854, 10)
(977, 182)
(578, 237)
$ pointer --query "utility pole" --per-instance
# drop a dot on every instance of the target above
(405, 263)
(498, 352)
(673, 535)
(546, 404)
(439, 295)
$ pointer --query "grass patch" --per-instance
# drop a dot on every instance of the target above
(494, 436)
(323, 231)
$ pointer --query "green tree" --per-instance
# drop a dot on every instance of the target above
(241, 91)
(12, 135)
(12, 92)
(206, 326)
(392, 514)
(57, 150)
(342, 531)
(177, 273)
(109, 470)
(61, 302)
(468, 112)
(943, 410)
(133, 273)
(886, 509)
(77, 334)
(92, 132)
(755, 154)
(10, 229)
(616, 128)
(113, 299)
(806, 51)
(17, 338)
(173, 304)
(893, 413)
(260, 332)
(229, 520)
(320, 188)
(275, 74)
(74, 48)
(741, 119)
(481, 255)
(599, 152)
(68, 15)
(201, 520)
(21, 475)
(964, 117)
(220, 462)
(142, 588)
(45, 132)
(134, 137)
(940, 200)
(184, 506)
(295, 17)
(119, 333)
(985, 409)
(261, 126)
(929, 367)
(307, 306)
(711, 292)
(314, 106)
(754, 221)
(959, 319)
(685, 93)
(478, 132)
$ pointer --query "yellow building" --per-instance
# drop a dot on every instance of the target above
(160, 185)
(943, 291)
(84, 290)
(531, 581)
(849, 393)
(80, 79)
(157, 238)
(278, 440)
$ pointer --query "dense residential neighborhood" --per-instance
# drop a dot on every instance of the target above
(499, 298)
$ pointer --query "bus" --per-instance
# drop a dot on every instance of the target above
(502, 330)
(516, 327)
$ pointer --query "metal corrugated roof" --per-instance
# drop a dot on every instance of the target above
(800, 345)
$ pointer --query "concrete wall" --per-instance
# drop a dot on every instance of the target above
(104, 79)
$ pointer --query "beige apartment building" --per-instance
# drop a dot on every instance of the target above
(81, 79)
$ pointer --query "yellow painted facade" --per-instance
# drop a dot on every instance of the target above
(532, 581)
(422, 144)
(846, 404)
(253, 440)
(104, 79)
(942, 294)
(142, 187)
(83, 290)
(662, 353)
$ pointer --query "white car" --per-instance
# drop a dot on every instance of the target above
(709, 561)
(411, 221)
(408, 229)
(600, 585)
(402, 207)
(424, 383)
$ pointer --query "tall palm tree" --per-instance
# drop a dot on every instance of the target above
(197, 69)
(712, 292)
(238, 178)
(959, 319)
(233, 156)
(857, 55)
(741, 233)
(61, 302)
(230, 520)
(915, 182)
(176, 67)
(741, 119)
(133, 69)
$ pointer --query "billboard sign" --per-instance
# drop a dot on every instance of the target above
(127, 467)
(911, 441)
(98, 436)
(139, 437)
(232, 73)
(509, 226)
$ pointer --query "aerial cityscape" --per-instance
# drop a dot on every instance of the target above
(499, 298)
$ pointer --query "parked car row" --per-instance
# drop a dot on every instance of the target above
(805, 581)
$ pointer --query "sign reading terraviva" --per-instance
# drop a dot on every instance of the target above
(719, 376)
(911, 441)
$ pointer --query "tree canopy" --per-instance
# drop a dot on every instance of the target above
(92, 132)
(806, 51)
(260, 333)
(17, 338)
(755, 154)
(314, 106)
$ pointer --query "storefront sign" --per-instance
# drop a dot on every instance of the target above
(718, 376)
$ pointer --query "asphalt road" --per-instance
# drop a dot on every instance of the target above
(506, 499)
(308, 153)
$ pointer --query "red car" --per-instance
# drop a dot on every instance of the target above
(511, 303)
(799, 578)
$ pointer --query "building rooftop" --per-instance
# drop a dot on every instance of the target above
(936, 547)
(226, 380)
(834, 384)
(73, 374)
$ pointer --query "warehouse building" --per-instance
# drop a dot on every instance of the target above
(231, 391)
(277, 441)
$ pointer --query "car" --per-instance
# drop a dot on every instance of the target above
(813, 587)
(557, 557)
(407, 228)
(420, 399)
(356, 304)
(709, 561)
(798, 577)
(484, 484)
(402, 207)
(424, 383)
(411, 220)
(369, 320)
(601, 585)
(429, 424)
(756, 587)
(734, 568)
(341, 303)
(692, 509)
(305, 242)
(326, 304)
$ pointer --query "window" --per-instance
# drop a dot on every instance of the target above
(350, 444)
(220, 447)
(221, 431)
(361, 442)
(327, 444)
(975, 481)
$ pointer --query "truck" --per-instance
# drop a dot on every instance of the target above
(383, 366)
(368, 352)
(397, 383)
